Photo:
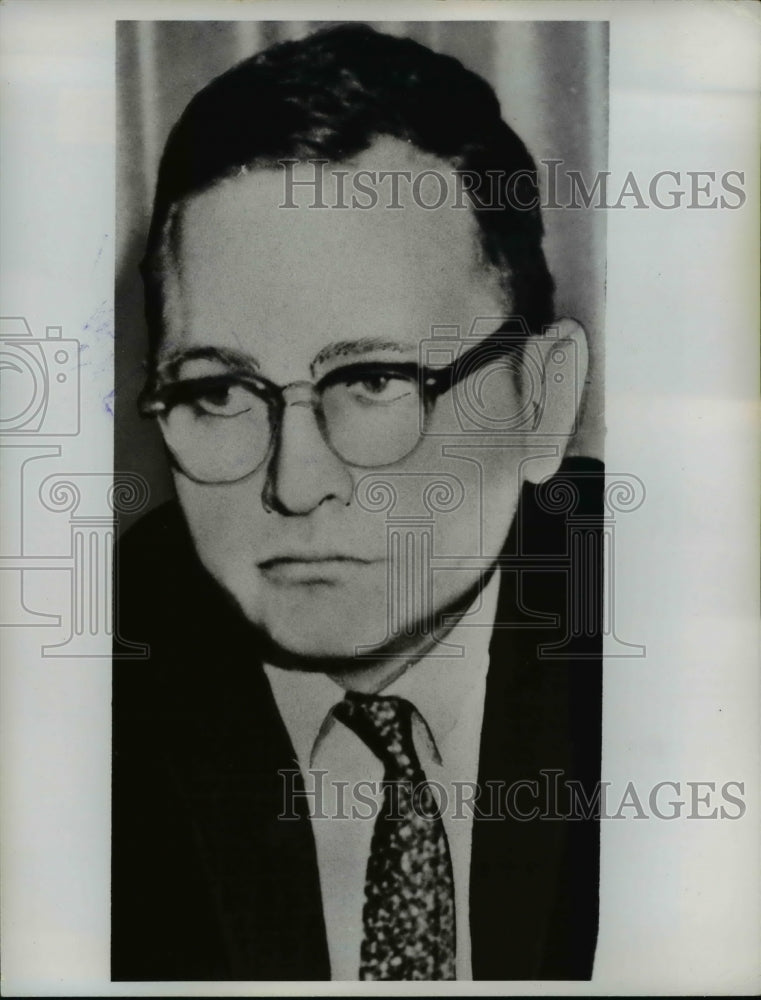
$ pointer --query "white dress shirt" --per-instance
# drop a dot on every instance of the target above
(345, 776)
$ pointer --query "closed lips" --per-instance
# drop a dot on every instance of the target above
(329, 557)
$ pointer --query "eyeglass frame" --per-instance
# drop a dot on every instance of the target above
(156, 399)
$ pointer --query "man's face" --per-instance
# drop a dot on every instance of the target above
(303, 544)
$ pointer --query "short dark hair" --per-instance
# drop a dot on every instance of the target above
(329, 96)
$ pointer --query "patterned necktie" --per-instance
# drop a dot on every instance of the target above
(408, 916)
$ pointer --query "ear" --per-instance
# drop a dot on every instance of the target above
(555, 371)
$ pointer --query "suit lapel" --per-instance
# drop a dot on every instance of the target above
(228, 762)
(534, 882)
(514, 861)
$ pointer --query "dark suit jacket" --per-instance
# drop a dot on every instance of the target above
(207, 883)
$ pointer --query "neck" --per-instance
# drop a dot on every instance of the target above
(378, 674)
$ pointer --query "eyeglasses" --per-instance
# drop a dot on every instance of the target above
(221, 428)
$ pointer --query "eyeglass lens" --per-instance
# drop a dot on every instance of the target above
(226, 435)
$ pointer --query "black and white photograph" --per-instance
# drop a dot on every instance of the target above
(362, 499)
(368, 718)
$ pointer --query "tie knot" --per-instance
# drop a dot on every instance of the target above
(384, 724)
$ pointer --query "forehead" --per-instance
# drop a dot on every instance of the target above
(283, 283)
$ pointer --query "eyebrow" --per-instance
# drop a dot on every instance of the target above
(356, 348)
(241, 362)
(238, 361)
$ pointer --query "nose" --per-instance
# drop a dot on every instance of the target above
(304, 472)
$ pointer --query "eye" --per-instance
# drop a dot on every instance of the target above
(380, 387)
(222, 400)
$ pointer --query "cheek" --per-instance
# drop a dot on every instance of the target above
(490, 496)
(465, 487)
(224, 520)
(502, 488)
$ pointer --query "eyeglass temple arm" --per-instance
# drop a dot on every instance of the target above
(502, 341)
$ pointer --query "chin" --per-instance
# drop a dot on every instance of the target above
(315, 641)
(316, 624)
(326, 625)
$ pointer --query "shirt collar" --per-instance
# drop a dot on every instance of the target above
(444, 681)
(438, 685)
(306, 701)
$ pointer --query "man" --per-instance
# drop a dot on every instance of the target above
(349, 752)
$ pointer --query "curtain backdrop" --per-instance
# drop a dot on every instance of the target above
(550, 77)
